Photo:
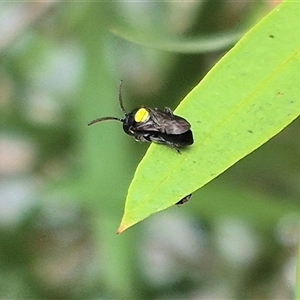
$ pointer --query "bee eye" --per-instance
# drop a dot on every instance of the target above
(142, 115)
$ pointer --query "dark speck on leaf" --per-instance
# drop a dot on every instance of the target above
(250, 131)
(271, 36)
(184, 200)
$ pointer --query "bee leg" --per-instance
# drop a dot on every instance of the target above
(174, 147)
(168, 111)
(137, 137)
(131, 130)
(140, 138)
(178, 151)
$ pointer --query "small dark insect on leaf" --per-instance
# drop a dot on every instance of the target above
(184, 200)
(153, 125)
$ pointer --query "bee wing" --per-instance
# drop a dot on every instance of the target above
(177, 125)
(170, 123)
(165, 122)
(154, 122)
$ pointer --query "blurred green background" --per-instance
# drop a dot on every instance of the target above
(63, 184)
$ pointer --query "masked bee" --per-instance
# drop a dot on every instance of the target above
(153, 125)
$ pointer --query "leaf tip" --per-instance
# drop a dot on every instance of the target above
(123, 226)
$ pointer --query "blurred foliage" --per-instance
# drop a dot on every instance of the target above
(63, 184)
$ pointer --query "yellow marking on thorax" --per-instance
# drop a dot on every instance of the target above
(142, 115)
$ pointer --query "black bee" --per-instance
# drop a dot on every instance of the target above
(153, 125)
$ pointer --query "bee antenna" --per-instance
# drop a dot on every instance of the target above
(104, 119)
(121, 97)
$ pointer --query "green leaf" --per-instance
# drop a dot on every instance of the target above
(199, 44)
(154, 34)
(246, 99)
